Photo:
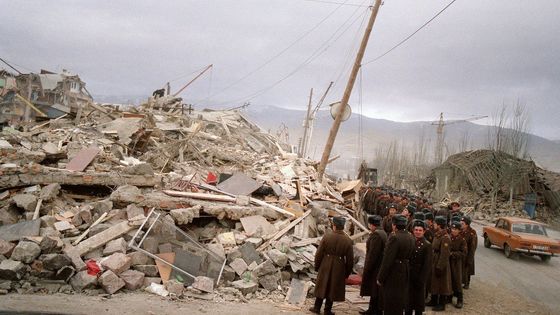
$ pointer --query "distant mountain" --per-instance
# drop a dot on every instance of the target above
(381, 133)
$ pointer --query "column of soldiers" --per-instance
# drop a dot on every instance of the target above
(411, 254)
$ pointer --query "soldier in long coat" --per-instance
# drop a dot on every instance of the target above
(441, 272)
(374, 254)
(458, 251)
(420, 266)
(469, 234)
(394, 273)
(333, 261)
(388, 219)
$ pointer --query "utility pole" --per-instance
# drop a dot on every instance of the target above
(306, 126)
(347, 92)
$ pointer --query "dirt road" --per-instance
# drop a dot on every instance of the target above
(501, 286)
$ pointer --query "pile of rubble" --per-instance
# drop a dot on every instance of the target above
(177, 202)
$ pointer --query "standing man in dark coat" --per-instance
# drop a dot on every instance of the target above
(420, 266)
(394, 273)
(429, 220)
(469, 234)
(374, 254)
(334, 261)
(458, 249)
(441, 272)
(388, 219)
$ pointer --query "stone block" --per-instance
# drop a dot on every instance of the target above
(50, 192)
(256, 241)
(148, 270)
(133, 279)
(110, 282)
(50, 244)
(150, 244)
(204, 284)
(47, 221)
(102, 206)
(139, 258)
(82, 280)
(175, 287)
(6, 248)
(279, 258)
(26, 252)
(65, 273)
(265, 268)
(11, 269)
(134, 212)
(245, 287)
(270, 282)
(55, 261)
(150, 280)
(239, 266)
(249, 253)
(115, 246)
(228, 274)
(95, 254)
(27, 202)
(117, 262)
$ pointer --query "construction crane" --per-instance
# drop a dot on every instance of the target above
(440, 124)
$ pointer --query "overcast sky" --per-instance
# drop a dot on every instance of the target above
(472, 58)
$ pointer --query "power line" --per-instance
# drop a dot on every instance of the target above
(279, 53)
(409, 36)
(332, 2)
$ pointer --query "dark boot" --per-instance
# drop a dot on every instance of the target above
(432, 301)
(440, 305)
(328, 307)
(317, 307)
(467, 282)
(459, 300)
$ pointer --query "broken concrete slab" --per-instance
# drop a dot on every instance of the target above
(25, 201)
(249, 253)
(11, 269)
(267, 267)
(110, 282)
(280, 259)
(255, 224)
(204, 284)
(239, 184)
(50, 244)
(26, 252)
(239, 266)
(245, 287)
(133, 279)
(134, 212)
(118, 245)
(62, 226)
(185, 215)
(270, 282)
(297, 292)
(227, 239)
(82, 159)
(117, 262)
(50, 192)
(103, 238)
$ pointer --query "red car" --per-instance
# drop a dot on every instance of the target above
(517, 235)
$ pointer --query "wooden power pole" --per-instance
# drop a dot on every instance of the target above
(306, 126)
(347, 92)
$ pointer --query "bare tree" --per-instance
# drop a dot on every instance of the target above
(465, 143)
(497, 131)
(518, 138)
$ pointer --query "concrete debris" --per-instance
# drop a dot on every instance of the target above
(221, 187)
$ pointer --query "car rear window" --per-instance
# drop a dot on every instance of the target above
(529, 228)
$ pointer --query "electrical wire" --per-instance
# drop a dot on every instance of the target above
(319, 51)
(332, 2)
(360, 124)
(409, 36)
(9, 65)
(279, 53)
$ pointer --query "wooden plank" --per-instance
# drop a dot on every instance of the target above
(82, 159)
(284, 230)
(353, 220)
(102, 238)
(79, 239)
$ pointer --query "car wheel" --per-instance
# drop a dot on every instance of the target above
(507, 251)
(545, 258)
(487, 242)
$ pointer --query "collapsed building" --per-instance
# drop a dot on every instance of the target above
(483, 174)
(196, 203)
(26, 97)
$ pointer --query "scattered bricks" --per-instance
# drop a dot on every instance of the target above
(148, 270)
(27, 202)
(185, 215)
(150, 244)
(203, 284)
(55, 261)
(65, 273)
(49, 192)
(245, 287)
(249, 253)
(82, 280)
(132, 279)
(279, 258)
(11, 269)
(150, 280)
(6, 248)
(117, 262)
(134, 212)
(139, 258)
(239, 266)
(265, 268)
(165, 248)
(270, 282)
(110, 282)
(228, 274)
(26, 252)
(175, 287)
(115, 246)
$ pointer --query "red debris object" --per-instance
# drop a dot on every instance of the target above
(211, 178)
(92, 267)
(354, 280)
